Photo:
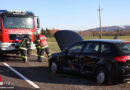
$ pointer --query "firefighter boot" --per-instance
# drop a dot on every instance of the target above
(40, 59)
(25, 60)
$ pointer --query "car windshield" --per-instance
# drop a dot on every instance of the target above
(124, 47)
(18, 22)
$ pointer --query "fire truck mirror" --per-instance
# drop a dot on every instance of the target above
(38, 22)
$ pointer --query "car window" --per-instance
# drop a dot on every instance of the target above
(105, 48)
(76, 48)
(124, 47)
(91, 48)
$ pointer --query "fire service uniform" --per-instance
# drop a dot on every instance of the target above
(41, 45)
(24, 47)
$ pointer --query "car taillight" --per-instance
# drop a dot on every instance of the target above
(122, 58)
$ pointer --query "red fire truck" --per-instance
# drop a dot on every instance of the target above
(14, 26)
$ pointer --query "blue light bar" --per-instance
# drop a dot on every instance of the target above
(29, 12)
(2, 11)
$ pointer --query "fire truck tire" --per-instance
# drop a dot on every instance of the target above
(1, 55)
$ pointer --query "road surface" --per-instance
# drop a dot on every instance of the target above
(35, 75)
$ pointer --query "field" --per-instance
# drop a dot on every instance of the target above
(55, 48)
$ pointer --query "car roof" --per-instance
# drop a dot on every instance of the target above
(107, 40)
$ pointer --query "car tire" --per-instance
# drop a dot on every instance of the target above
(53, 67)
(101, 76)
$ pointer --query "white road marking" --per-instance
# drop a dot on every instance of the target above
(23, 77)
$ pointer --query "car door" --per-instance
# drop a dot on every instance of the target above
(70, 58)
(89, 57)
(107, 53)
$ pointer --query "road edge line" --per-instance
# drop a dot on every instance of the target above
(22, 76)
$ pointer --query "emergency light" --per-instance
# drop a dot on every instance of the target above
(29, 12)
(2, 11)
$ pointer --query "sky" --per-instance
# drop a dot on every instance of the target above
(73, 14)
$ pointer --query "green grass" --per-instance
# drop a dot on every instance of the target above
(51, 39)
(55, 48)
(86, 38)
(106, 37)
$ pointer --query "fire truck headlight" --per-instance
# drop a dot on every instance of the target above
(16, 39)
(5, 44)
(8, 46)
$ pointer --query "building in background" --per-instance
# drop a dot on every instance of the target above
(53, 31)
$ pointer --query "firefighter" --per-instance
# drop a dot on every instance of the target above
(37, 44)
(24, 47)
(41, 45)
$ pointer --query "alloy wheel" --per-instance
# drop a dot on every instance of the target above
(54, 67)
(100, 77)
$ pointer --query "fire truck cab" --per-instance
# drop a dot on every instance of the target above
(14, 26)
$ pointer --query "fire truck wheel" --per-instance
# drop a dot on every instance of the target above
(1, 55)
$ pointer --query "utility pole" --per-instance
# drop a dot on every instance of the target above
(100, 21)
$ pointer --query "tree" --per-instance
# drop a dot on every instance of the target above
(43, 32)
(48, 32)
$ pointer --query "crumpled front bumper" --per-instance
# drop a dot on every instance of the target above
(12, 46)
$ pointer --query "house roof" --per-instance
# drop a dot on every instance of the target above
(52, 31)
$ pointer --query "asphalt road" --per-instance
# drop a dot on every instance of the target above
(38, 74)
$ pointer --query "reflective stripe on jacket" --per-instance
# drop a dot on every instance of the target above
(44, 47)
(43, 41)
(25, 44)
(22, 48)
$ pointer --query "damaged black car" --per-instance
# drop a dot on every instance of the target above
(107, 60)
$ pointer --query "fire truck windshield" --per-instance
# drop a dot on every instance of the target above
(11, 22)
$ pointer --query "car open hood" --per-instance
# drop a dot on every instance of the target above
(66, 38)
